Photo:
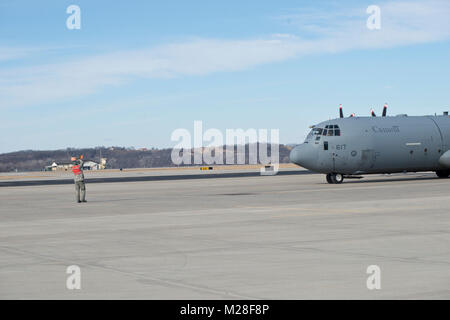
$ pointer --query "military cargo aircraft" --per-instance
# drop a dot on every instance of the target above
(348, 147)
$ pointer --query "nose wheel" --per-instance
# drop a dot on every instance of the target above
(335, 178)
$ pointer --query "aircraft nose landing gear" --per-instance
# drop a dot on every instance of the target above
(335, 178)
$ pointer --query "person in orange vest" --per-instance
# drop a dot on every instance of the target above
(80, 186)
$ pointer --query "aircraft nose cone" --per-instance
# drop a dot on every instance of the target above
(303, 155)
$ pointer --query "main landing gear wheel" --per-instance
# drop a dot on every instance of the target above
(443, 173)
(335, 178)
(329, 178)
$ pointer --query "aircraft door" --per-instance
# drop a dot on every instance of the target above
(334, 156)
(339, 157)
(325, 160)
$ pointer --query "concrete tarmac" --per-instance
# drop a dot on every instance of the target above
(273, 237)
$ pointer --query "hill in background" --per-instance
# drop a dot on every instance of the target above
(117, 157)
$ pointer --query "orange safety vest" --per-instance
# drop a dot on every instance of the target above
(76, 170)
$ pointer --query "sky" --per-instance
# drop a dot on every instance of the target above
(136, 71)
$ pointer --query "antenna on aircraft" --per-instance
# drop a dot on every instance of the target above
(373, 113)
(385, 109)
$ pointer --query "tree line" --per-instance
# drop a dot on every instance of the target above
(117, 157)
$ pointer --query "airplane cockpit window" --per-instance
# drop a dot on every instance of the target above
(331, 130)
(316, 132)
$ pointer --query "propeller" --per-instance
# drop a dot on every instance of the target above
(385, 109)
(341, 112)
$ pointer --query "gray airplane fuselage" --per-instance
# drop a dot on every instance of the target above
(362, 145)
